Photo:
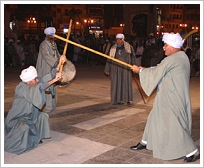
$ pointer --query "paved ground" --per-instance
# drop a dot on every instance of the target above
(87, 130)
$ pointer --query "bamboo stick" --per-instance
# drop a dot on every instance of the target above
(66, 45)
(68, 34)
(190, 33)
(94, 51)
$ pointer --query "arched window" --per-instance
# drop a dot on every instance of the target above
(139, 25)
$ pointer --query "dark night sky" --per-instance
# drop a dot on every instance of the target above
(25, 10)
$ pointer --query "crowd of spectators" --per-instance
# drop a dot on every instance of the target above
(24, 51)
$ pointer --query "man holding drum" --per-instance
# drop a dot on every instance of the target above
(25, 125)
(47, 60)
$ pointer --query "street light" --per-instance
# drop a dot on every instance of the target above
(31, 21)
(183, 25)
(122, 25)
(159, 30)
(194, 27)
(87, 23)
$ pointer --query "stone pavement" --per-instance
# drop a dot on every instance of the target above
(88, 131)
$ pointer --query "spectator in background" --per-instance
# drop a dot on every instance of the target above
(77, 49)
(7, 57)
(121, 76)
(139, 52)
(70, 49)
(107, 47)
(13, 53)
(187, 50)
(196, 60)
(146, 58)
(20, 52)
(157, 54)
(151, 39)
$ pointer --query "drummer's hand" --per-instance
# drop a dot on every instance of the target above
(58, 76)
(135, 68)
(63, 59)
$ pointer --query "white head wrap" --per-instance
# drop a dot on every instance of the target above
(49, 30)
(151, 34)
(120, 36)
(28, 74)
(10, 40)
(174, 40)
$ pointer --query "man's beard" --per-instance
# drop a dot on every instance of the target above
(51, 40)
(119, 45)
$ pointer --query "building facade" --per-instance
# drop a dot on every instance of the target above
(132, 19)
(86, 18)
(142, 19)
(139, 19)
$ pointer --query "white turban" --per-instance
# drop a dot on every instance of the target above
(120, 36)
(174, 40)
(10, 40)
(151, 34)
(28, 74)
(49, 30)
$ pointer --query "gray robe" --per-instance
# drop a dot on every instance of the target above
(25, 126)
(168, 128)
(121, 76)
(47, 59)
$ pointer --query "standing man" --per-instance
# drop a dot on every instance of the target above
(25, 126)
(106, 47)
(168, 129)
(139, 52)
(77, 49)
(196, 60)
(121, 76)
(48, 57)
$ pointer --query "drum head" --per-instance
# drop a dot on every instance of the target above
(68, 74)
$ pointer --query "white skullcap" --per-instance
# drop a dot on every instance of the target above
(120, 36)
(49, 30)
(151, 34)
(28, 74)
(10, 40)
(174, 40)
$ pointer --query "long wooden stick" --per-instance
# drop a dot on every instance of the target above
(139, 88)
(104, 55)
(94, 51)
(68, 34)
(190, 33)
(66, 45)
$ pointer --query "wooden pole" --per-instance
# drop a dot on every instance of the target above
(139, 87)
(66, 45)
(94, 51)
(68, 35)
(65, 49)
(104, 55)
(190, 33)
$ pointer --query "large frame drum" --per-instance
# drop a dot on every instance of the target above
(68, 74)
